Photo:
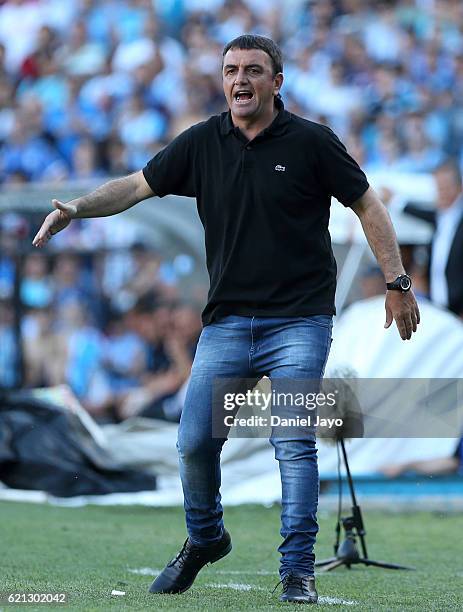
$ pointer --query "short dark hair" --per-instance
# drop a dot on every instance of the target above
(449, 165)
(253, 41)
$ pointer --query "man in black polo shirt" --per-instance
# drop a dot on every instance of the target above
(263, 179)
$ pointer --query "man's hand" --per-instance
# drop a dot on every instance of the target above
(108, 199)
(55, 222)
(403, 309)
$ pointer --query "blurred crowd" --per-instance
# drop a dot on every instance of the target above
(111, 324)
(96, 87)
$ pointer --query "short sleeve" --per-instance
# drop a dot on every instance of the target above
(171, 171)
(339, 172)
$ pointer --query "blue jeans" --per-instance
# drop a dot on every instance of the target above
(252, 347)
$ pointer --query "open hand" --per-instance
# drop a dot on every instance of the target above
(402, 308)
(56, 221)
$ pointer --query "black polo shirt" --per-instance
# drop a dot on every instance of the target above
(265, 207)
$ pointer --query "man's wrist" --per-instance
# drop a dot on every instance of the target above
(76, 204)
(391, 276)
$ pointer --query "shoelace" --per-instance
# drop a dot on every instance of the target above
(292, 580)
(182, 557)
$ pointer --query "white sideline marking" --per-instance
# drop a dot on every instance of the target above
(150, 571)
(258, 573)
(336, 601)
(238, 586)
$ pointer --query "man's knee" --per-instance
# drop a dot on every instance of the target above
(288, 449)
(198, 448)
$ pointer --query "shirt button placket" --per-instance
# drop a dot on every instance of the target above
(247, 163)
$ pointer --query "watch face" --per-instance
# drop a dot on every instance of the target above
(405, 283)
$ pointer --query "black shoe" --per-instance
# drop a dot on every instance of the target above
(180, 573)
(299, 589)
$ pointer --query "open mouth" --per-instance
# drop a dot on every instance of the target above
(242, 96)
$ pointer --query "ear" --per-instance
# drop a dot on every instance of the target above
(277, 83)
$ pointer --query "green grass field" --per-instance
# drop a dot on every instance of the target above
(88, 552)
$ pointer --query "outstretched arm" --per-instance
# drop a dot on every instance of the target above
(434, 467)
(379, 231)
(109, 199)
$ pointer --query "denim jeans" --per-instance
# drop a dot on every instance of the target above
(248, 347)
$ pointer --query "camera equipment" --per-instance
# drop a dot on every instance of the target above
(349, 410)
(347, 552)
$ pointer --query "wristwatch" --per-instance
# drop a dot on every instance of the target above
(402, 283)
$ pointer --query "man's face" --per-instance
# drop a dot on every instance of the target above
(249, 83)
(448, 187)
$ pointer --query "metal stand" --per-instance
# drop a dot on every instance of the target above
(347, 552)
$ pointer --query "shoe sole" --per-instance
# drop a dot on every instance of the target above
(300, 601)
(223, 554)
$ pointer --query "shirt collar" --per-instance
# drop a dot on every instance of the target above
(454, 211)
(278, 126)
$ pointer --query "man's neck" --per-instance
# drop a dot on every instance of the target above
(251, 127)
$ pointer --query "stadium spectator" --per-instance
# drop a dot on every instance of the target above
(144, 277)
(372, 282)
(428, 467)
(44, 52)
(125, 355)
(186, 325)
(29, 153)
(44, 350)
(181, 346)
(139, 128)
(84, 356)
(71, 281)
(85, 161)
(446, 258)
(169, 333)
(13, 227)
(20, 21)
(81, 56)
(9, 351)
(36, 286)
